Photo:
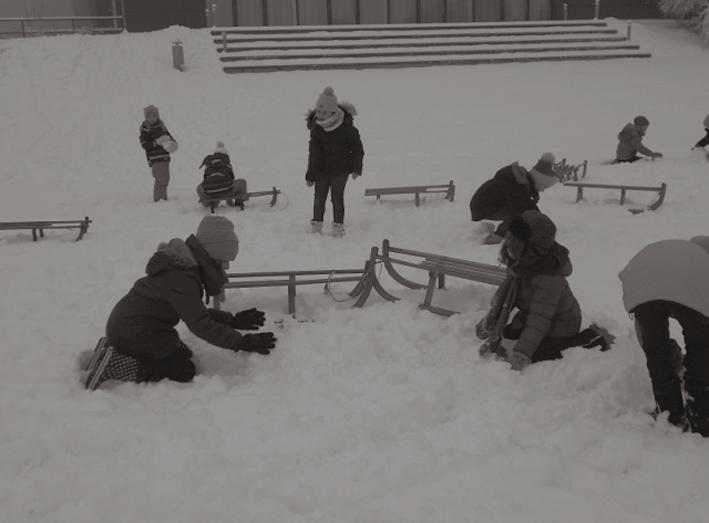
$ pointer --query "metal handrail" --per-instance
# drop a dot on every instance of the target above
(73, 19)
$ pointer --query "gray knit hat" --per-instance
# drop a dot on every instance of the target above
(545, 165)
(217, 236)
(535, 228)
(151, 109)
(327, 101)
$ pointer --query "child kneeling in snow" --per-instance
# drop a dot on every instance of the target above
(142, 342)
(549, 317)
(219, 180)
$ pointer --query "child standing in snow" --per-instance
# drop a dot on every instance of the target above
(704, 141)
(549, 317)
(630, 142)
(158, 144)
(669, 279)
(335, 151)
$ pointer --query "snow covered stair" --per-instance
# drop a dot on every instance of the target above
(286, 48)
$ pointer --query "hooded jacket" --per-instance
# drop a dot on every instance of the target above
(671, 270)
(630, 142)
(544, 299)
(334, 153)
(511, 188)
(178, 275)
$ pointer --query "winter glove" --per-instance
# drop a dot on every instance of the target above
(657, 155)
(261, 342)
(355, 175)
(247, 320)
(309, 183)
(519, 360)
(511, 331)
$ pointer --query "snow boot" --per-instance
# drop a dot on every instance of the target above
(112, 365)
(315, 227)
(698, 405)
(338, 230)
(595, 336)
(88, 358)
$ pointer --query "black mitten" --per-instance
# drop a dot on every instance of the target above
(248, 319)
(511, 331)
(261, 342)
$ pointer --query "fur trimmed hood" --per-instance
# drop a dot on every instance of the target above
(347, 108)
(171, 255)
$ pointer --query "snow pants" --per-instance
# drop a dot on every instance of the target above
(652, 328)
(161, 174)
(336, 187)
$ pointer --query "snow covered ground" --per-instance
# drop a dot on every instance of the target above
(381, 414)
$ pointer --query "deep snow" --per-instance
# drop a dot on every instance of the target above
(382, 414)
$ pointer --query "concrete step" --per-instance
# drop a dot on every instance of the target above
(405, 27)
(375, 44)
(433, 50)
(389, 62)
(413, 34)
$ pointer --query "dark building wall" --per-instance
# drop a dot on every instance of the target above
(150, 15)
(624, 9)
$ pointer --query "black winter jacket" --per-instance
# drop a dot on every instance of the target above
(143, 322)
(336, 152)
(148, 134)
(511, 188)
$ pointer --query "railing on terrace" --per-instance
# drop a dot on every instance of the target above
(50, 25)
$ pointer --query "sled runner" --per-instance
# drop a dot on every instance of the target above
(238, 200)
(661, 192)
(448, 189)
(35, 226)
(437, 266)
(567, 172)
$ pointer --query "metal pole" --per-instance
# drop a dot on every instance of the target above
(113, 12)
(566, 11)
(628, 35)
(597, 9)
(214, 17)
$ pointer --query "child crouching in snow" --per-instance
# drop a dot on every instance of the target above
(158, 144)
(334, 152)
(548, 317)
(219, 180)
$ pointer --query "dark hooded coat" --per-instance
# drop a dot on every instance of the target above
(512, 188)
(334, 153)
(178, 276)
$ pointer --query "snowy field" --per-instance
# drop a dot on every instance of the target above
(381, 414)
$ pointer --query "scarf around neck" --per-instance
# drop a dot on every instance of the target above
(333, 121)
